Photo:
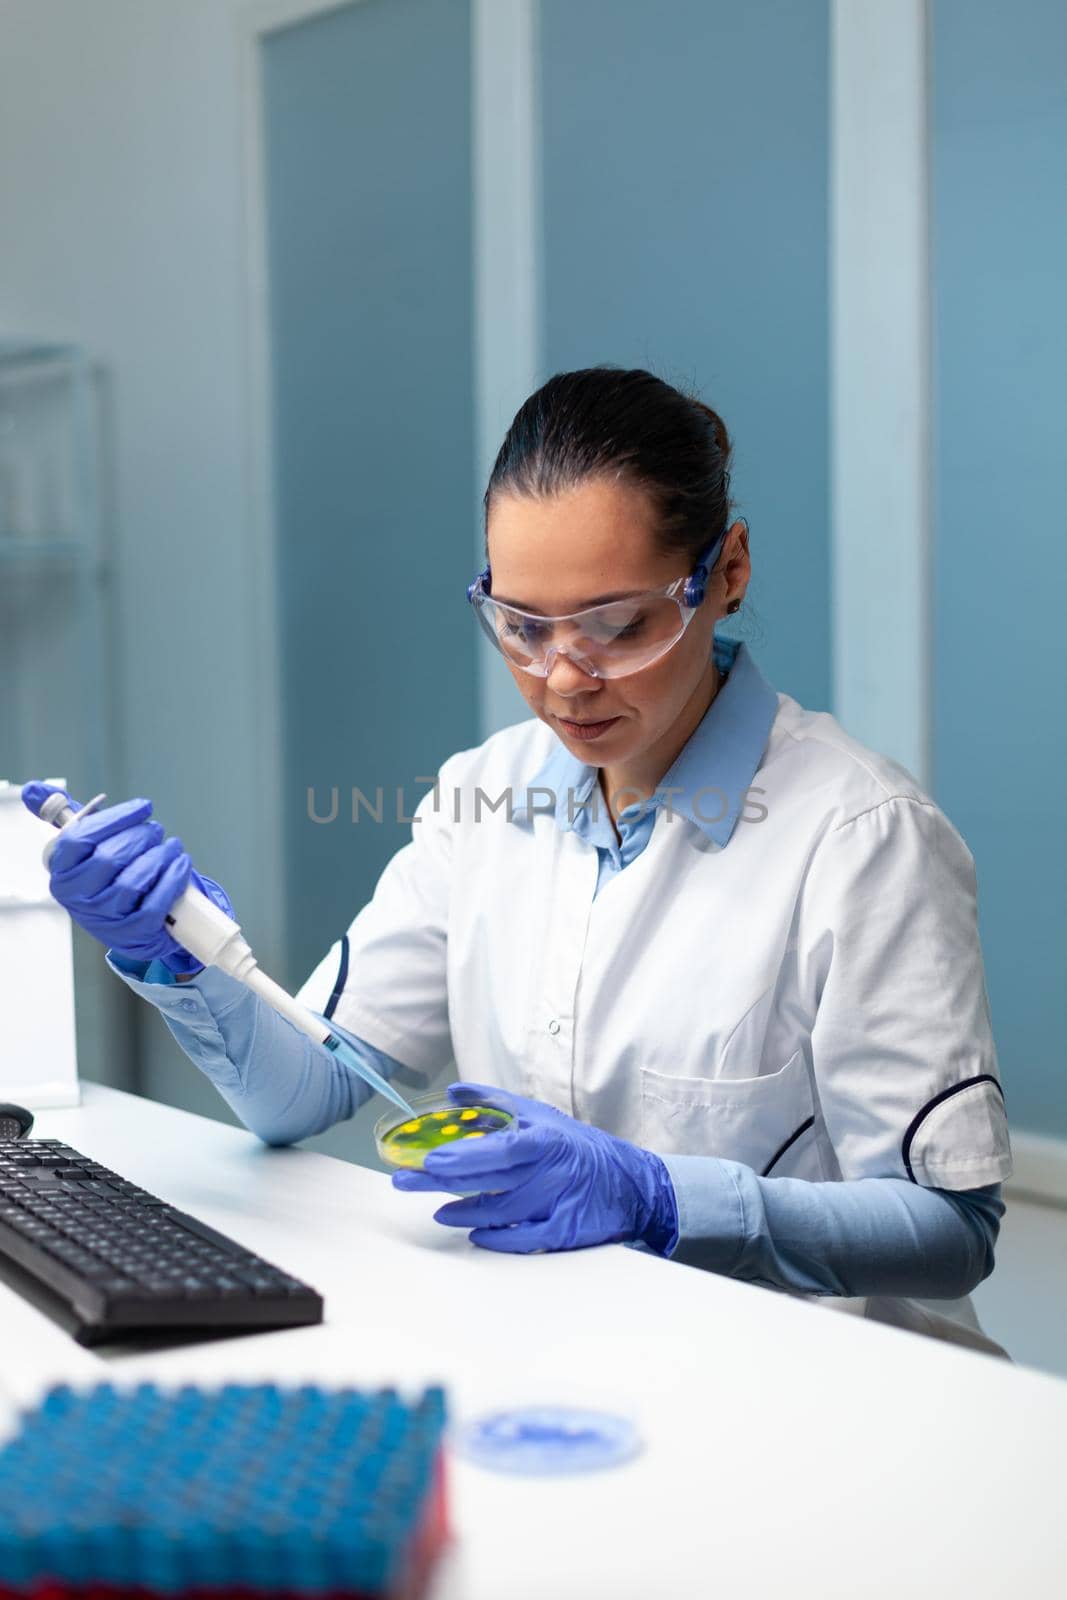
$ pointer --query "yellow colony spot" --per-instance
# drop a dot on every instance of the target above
(439, 1116)
(409, 1127)
(453, 1127)
(475, 1133)
(468, 1115)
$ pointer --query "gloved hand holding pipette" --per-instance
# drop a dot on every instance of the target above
(118, 875)
(134, 889)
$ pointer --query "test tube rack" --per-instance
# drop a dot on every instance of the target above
(234, 1493)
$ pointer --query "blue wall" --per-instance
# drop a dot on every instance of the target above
(368, 160)
(684, 216)
(999, 146)
(685, 170)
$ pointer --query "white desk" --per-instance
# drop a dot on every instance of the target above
(790, 1450)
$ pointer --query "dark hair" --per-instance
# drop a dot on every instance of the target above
(629, 424)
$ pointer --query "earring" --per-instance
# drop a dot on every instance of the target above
(735, 605)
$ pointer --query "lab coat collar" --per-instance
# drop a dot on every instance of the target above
(713, 770)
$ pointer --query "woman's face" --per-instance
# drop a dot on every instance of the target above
(558, 554)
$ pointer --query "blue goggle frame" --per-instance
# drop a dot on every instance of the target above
(692, 595)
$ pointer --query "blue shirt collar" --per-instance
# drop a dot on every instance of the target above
(711, 773)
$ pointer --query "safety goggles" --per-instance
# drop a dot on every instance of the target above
(610, 640)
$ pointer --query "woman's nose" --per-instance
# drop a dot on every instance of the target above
(565, 676)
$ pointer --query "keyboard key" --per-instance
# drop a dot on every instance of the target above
(228, 1287)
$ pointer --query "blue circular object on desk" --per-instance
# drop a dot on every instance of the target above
(542, 1440)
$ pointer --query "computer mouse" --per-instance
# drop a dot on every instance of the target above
(15, 1122)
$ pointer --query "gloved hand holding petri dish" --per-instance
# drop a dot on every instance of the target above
(439, 1123)
(552, 1183)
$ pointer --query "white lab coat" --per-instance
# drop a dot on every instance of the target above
(808, 1000)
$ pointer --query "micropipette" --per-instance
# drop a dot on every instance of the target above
(204, 929)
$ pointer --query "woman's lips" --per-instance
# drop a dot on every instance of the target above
(586, 730)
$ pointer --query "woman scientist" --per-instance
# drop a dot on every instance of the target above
(719, 959)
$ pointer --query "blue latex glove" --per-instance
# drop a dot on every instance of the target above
(549, 1183)
(118, 876)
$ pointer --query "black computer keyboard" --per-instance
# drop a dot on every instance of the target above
(115, 1261)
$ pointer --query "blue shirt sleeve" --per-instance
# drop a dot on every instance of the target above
(868, 1236)
(860, 1237)
(281, 1084)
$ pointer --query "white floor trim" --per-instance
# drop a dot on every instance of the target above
(1040, 1168)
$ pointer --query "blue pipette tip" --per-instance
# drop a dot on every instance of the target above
(364, 1070)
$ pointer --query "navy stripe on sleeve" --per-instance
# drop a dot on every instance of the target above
(780, 1152)
(342, 979)
(920, 1116)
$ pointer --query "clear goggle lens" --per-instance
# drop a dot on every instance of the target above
(607, 641)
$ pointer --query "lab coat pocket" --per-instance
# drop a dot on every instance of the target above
(764, 1122)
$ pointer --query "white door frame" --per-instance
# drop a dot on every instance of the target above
(880, 378)
(252, 24)
(506, 258)
(505, 253)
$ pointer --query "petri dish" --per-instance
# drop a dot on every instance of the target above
(403, 1141)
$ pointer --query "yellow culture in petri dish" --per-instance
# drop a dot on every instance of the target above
(403, 1141)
